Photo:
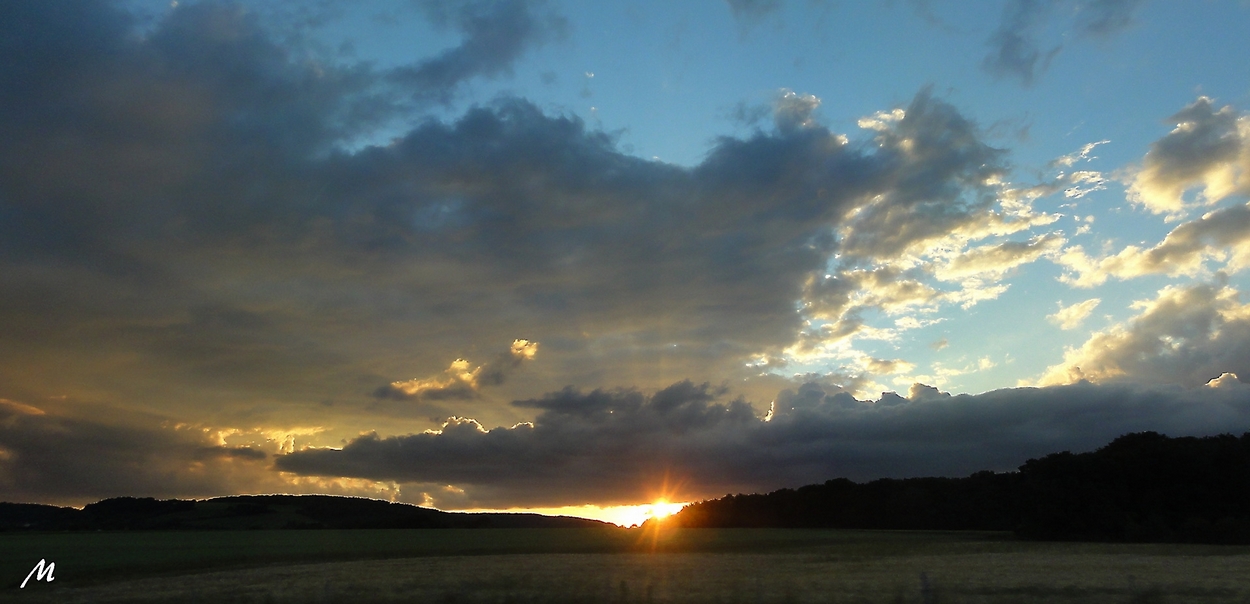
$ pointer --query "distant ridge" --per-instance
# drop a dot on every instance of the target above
(1142, 487)
(243, 512)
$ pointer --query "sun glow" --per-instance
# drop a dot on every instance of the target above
(620, 515)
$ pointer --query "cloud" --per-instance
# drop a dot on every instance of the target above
(16, 408)
(224, 232)
(1071, 159)
(904, 250)
(1209, 149)
(496, 34)
(59, 458)
(882, 366)
(1222, 236)
(69, 453)
(1186, 335)
(194, 195)
(459, 382)
(1070, 317)
(1226, 380)
(793, 111)
(1015, 49)
(940, 373)
(618, 446)
(1105, 17)
(748, 13)
(997, 259)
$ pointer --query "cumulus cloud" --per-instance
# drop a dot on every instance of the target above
(191, 193)
(1185, 335)
(1070, 317)
(1208, 150)
(916, 248)
(793, 111)
(617, 446)
(218, 234)
(1015, 47)
(460, 381)
(1221, 236)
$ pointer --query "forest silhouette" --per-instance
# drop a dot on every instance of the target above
(1142, 487)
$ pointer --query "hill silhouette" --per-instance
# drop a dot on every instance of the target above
(1140, 487)
(263, 512)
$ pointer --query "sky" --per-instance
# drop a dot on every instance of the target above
(582, 257)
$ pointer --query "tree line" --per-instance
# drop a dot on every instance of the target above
(1140, 487)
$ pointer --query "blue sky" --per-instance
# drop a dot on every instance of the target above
(526, 254)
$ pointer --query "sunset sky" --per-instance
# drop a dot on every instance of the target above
(576, 255)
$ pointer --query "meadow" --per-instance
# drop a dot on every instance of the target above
(612, 566)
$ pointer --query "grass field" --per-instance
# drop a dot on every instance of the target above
(615, 566)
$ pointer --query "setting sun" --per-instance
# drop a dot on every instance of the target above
(620, 515)
(662, 508)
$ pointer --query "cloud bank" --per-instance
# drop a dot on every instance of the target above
(621, 446)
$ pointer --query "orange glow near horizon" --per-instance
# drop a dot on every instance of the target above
(620, 515)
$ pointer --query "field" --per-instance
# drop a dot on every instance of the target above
(612, 566)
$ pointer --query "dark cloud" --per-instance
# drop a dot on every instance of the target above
(55, 458)
(1015, 48)
(1106, 17)
(496, 34)
(617, 446)
(189, 223)
(942, 191)
(191, 204)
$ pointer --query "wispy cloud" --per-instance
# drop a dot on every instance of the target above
(1071, 317)
(1016, 49)
(495, 35)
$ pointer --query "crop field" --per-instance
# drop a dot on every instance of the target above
(612, 566)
